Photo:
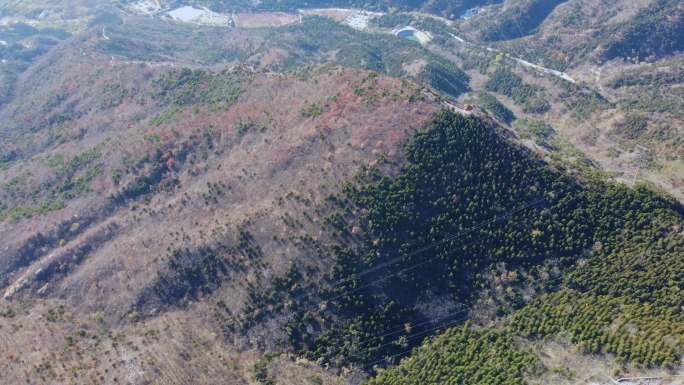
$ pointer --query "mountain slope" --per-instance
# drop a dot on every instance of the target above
(122, 175)
(315, 204)
(620, 259)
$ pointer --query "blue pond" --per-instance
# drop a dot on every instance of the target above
(408, 34)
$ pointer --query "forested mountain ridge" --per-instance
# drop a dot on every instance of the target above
(543, 226)
(269, 193)
(625, 279)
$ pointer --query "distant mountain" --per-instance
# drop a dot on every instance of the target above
(654, 31)
(519, 19)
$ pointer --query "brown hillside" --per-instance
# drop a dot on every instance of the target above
(120, 181)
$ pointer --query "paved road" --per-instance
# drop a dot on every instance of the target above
(559, 74)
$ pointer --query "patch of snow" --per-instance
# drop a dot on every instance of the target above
(355, 18)
(359, 20)
(469, 13)
(2, 42)
(204, 16)
(145, 7)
